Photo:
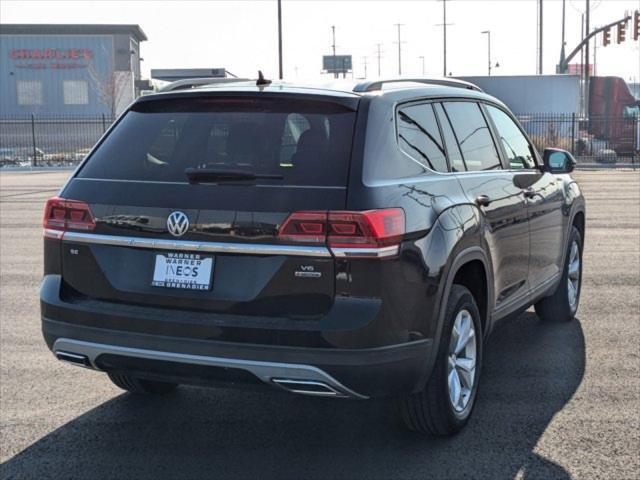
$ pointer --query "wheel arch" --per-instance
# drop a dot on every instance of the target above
(468, 260)
(579, 221)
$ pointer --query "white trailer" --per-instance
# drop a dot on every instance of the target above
(533, 94)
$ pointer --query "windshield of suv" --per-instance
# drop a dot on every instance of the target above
(289, 141)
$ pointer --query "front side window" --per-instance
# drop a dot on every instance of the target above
(473, 135)
(29, 92)
(75, 92)
(419, 136)
(518, 149)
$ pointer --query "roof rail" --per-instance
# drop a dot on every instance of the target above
(445, 82)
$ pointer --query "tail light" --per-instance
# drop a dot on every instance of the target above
(344, 230)
(61, 215)
(304, 227)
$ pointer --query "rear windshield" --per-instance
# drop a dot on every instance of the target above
(306, 142)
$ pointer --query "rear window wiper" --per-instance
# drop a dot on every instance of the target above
(204, 175)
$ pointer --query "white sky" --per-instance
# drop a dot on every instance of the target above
(242, 35)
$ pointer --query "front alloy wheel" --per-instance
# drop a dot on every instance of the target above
(573, 276)
(562, 304)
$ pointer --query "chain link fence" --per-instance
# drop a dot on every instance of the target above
(65, 141)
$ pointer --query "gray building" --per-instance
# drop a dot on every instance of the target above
(174, 74)
(68, 70)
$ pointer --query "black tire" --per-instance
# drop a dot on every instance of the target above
(557, 307)
(138, 385)
(430, 410)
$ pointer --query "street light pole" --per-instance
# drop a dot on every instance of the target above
(421, 57)
(488, 33)
(280, 38)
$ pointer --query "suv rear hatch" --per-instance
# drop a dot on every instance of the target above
(183, 203)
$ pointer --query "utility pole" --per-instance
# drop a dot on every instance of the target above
(280, 38)
(399, 25)
(444, 39)
(562, 52)
(335, 67)
(488, 34)
(379, 56)
(540, 37)
(586, 56)
(582, 49)
(365, 67)
(421, 57)
(595, 54)
(444, 26)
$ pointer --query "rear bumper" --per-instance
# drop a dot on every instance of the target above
(167, 355)
(360, 373)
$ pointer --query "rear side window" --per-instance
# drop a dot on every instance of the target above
(455, 156)
(419, 136)
(473, 135)
(307, 142)
(516, 146)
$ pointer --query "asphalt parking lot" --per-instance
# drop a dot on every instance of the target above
(556, 401)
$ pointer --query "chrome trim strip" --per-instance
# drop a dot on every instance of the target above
(265, 371)
(54, 234)
(186, 245)
(158, 182)
(381, 252)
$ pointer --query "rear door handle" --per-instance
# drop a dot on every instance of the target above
(483, 201)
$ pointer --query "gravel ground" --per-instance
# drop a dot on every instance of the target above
(556, 401)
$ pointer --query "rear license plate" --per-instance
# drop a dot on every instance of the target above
(187, 271)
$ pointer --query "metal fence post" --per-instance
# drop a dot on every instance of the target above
(573, 133)
(33, 139)
(104, 124)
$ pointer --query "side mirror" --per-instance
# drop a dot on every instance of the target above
(558, 161)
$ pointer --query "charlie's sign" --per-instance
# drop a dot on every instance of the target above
(51, 54)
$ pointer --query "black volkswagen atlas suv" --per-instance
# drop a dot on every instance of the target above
(347, 242)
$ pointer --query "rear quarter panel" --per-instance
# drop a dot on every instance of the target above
(440, 223)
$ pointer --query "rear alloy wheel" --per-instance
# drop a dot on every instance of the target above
(138, 385)
(445, 403)
(461, 367)
(562, 305)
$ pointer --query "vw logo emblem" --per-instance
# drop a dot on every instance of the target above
(178, 224)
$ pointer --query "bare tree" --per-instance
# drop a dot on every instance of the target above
(109, 87)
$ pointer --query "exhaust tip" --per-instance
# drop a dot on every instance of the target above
(308, 387)
(74, 358)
